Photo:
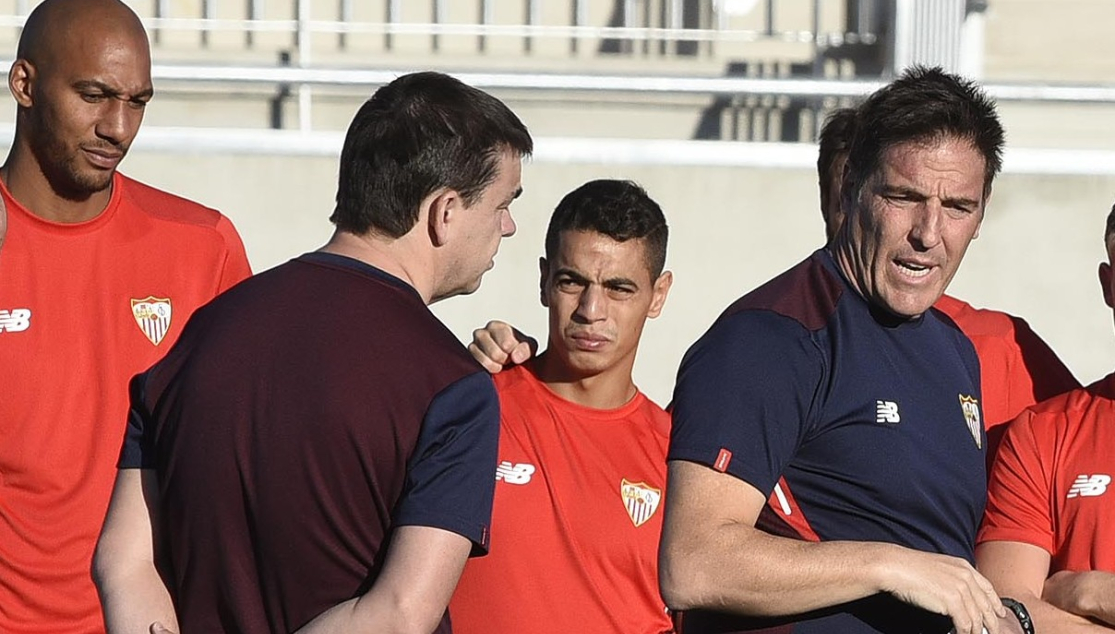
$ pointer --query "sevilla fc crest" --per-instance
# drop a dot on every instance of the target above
(640, 499)
(970, 407)
(152, 315)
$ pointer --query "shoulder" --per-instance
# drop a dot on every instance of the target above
(808, 293)
(165, 206)
(978, 322)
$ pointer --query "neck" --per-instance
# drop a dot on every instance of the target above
(30, 187)
(609, 389)
(396, 256)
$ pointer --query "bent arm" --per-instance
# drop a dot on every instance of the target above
(1089, 593)
(412, 592)
(712, 557)
(133, 595)
(1019, 570)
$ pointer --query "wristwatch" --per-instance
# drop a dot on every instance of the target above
(1021, 613)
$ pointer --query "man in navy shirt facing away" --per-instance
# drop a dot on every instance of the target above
(826, 464)
(317, 450)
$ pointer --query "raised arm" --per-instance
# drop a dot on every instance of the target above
(712, 557)
(410, 595)
(498, 344)
(133, 595)
(1019, 571)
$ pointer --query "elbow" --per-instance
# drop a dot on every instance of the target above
(101, 568)
(680, 581)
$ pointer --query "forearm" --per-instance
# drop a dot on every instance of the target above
(371, 614)
(132, 593)
(712, 557)
(740, 569)
(1088, 594)
(133, 601)
(410, 596)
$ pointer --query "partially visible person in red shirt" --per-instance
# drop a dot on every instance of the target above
(98, 274)
(582, 472)
(1047, 538)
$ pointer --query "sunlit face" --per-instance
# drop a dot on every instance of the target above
(86, 108)
(905, 236)
(486, 223)
(600, 294)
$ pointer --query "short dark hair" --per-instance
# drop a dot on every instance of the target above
(419, 133)
(924, 105)
(834, 141)
(619, 209)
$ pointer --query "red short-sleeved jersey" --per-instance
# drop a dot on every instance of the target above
(1051, 482)
(1017, 368)
(576, 521)
(83, 307)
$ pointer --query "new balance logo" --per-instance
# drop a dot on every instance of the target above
(1086, 487)
(15, 320)
(514, 474)
(886, 412)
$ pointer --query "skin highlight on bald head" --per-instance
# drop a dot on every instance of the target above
(81, 83)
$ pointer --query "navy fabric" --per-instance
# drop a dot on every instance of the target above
(299, 419)
(860, 415)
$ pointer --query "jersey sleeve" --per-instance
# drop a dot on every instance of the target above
(236, 267)
(744, 395)
(450, 479)
(1018, 493)
(138, 450)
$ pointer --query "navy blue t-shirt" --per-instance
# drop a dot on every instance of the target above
(857, 425)
(301, 417)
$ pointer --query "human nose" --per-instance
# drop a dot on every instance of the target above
(590, 305)
(926, 229)
(507, 224)
(119, 121)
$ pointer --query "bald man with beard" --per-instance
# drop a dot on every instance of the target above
(98, 274)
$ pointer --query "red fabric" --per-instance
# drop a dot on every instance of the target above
(1017, 368)
(566, 555)
(1051, 485)
(64, 378)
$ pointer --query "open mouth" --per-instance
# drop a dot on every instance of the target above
(913, 269)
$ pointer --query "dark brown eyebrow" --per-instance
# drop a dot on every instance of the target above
(890, 190)
(112, 92)
(611, 282)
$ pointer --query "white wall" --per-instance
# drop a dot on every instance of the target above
(731, 229)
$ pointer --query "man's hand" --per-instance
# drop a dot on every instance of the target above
(951, 586)
(498, 345)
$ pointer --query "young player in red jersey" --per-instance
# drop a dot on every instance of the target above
(579, 486)
(98, 274)
(1017, 368)
(1046, 536)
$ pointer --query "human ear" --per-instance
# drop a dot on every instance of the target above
(659, 292)
(21, 77)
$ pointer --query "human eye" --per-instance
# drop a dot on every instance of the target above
(961, 209)
(93, 96)
(621, 291)
(568, 284)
